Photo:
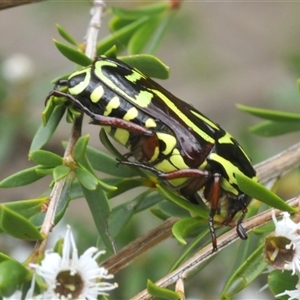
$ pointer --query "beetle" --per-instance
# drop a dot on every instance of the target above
(164, 135)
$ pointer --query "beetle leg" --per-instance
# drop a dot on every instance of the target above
(119, 123)
(214, 196)
(103, 120)
(140, 165)
(237, 205)
(171, 175)
(239, 228)
(214, 189)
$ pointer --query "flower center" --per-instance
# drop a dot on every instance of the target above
(68, 285)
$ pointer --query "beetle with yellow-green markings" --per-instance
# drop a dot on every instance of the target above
(163, 134)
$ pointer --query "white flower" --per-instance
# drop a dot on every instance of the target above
(283, 247)
(72, 277)
(294, 294)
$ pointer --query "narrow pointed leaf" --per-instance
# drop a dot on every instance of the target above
(44, 133)
(125, 185)
(12, 275)
(183, 202)
(21, 178)
(64, 34)
(258, 191)
(146, 200)
(245, 274)
(18, 226)
(88, 180)
(150, 10)
(27, 208)
(108, 164)
(80, 147)
(147, 64)
(119, 217)
(273, 128)
(161, 293)
(173, 210)
(42, 170)
(60, 172)
(100, 209)
(72, 54)
(141, 37)
(274, 115)
(108, 145)
(45, 158)
(120, 37)
(48, 110)
(4, 257)
(188, 227)
(116, 23)
(158, 35)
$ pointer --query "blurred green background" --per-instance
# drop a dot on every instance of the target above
(219, 53)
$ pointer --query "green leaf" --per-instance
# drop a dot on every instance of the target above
(42, 170)
(120, 37)
(279, 281)
(60, 172)
(27, 208)
(199, 211)
(253, 266)
(160, 292)
(122, 213)
(273, 115)
(107, 164)
(173, 210)
(272, 128)
(191, 248)
(146, 10)
(87, 179)
(72, 54)
(4, 257)
(148, 65)
(44, 133)
(100, 209)
(12, 275)
(80, 147)
(160, 31)
(119, 217)
(116, 23)
(45, 158)
(141, 37)
(18, 226)
(65, 35)
(146, 200)
(125, 185)
(48, 110)
(112, 52)
(258, 191)
(21, 178)
(63, 200)
(86, 165)
(188, 227)
(108, 145)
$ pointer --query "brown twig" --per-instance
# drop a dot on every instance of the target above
(270, 169)
(14, 3)
(139, 246)
(55, 196)
(206, 253)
